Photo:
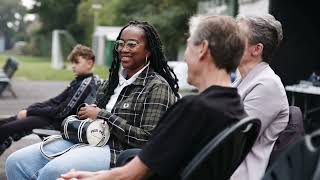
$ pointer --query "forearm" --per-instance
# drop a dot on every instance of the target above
(134, 170)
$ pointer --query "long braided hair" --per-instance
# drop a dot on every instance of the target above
(157, 59)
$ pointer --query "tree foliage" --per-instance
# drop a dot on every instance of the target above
(55, 14)
(170, 17)
(11, 19)
(106, 16)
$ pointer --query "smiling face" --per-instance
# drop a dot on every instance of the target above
(132, 55)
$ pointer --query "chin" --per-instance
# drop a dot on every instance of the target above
(127, 66)
(76, 74)
(124, 65)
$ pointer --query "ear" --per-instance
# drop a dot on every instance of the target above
(204, 49)
(258, 49)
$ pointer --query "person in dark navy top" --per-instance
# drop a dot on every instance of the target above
(52, 112)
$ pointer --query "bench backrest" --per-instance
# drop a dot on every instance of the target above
(10, 67)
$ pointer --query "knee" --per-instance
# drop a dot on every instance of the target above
(12, 160)
(53, 172)
(12, 165)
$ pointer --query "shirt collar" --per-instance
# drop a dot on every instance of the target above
(252, 73)
(83, 76)
(138, 78)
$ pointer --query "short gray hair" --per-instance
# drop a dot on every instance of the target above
(263, 29)
(226, 40)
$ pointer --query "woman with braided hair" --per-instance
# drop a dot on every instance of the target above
(158, 62)
(140, 89)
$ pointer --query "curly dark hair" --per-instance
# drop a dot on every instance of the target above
(157, 58)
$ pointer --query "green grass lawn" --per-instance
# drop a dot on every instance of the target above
(39, 68)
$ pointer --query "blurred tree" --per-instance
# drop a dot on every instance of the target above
(55, 14)
(12, 24)
(170, 17)
(85, 18)
(52, 15)
(106, 16)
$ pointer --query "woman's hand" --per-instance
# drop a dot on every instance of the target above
(90, 111)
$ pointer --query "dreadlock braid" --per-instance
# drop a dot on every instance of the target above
(158, 61)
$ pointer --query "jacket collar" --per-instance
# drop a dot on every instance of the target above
(142, 78)
(81, 77)
(252, 73)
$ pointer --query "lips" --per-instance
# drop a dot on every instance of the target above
(126, 58)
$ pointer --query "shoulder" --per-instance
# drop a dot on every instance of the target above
(155, 79)
(98, 81)
(269, 78)
(197, 108)
(270, 83)
(265, 91)
(195, 102)
(266, 82)
(89, 81)
(185, 105)
(74, 82)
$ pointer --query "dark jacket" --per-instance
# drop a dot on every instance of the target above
(81, 89)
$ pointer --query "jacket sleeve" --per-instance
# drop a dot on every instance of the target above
(159, 99)
(45, 108)
(79, 94)
(67, 102)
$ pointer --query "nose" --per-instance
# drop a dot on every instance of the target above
(125, 49)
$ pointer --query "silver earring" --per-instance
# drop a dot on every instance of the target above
(146, 59)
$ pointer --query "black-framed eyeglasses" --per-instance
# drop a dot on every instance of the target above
(130, 45)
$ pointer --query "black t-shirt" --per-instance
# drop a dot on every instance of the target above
(188, 126)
